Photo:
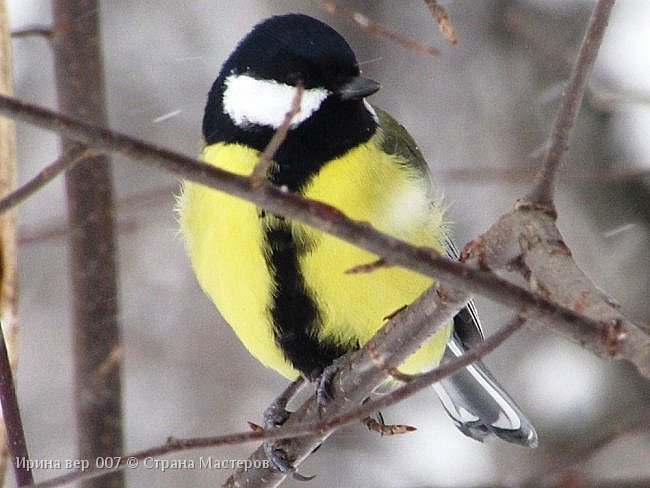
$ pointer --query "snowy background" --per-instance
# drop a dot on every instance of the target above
(485, 104)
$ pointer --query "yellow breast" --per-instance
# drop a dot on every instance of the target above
(224, 240)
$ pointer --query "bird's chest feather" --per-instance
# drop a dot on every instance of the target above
(226, 246)
(247, 260)
(371, 186)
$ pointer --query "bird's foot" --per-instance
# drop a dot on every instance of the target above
(275, 415)
(324, 381)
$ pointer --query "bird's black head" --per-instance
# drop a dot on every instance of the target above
(256, 86)
(291, 47)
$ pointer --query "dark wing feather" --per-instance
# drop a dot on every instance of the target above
(399, 142)
(473, 398)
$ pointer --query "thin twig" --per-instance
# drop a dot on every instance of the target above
(259, 171)
(417, 383)
(441, 16)
(608, 100)
(8, 244)
(368, 267)
(589, 332)
(12, 419)
(306, 414)
(377, 29)
(68, 160)
(316, 424)
(35, 30)
(542, 193)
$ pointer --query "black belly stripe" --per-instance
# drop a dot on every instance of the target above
(293, 309)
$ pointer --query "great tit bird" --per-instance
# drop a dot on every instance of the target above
(283, 286)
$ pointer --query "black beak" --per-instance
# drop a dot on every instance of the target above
(358, 87)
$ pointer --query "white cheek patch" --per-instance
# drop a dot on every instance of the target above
(249, 101)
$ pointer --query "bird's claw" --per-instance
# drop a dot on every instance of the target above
(275, 415)
(324, 386)
(278, 459)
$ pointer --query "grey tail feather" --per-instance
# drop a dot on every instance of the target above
(479, 406)
(476, 402)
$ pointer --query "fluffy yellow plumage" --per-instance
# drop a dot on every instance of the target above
(225, 242)
(283, 286)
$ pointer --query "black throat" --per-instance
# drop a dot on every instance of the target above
(334, 129)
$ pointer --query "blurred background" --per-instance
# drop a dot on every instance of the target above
(481, 113)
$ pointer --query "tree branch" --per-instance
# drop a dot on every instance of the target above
(308, 421)
(80, 90)
(527, 240)
(12, 420)
(11, 433)
(259, 171)
(36, 30)
(542, 193)
(441, 16)
(378, 30)
(324, 217)
(74, 155)
(357, 378)
(349, 409)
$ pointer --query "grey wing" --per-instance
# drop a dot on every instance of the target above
(476, 402)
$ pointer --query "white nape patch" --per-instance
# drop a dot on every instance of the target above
(249, 101)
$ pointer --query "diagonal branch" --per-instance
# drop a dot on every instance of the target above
(265, 160)
(441, 16)
(358, 377)
(351, 386)
(12, 441)
(377, 29)
(542, 193)
(67, 161)
(17, 444)
(633, 344)
(354, 375)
